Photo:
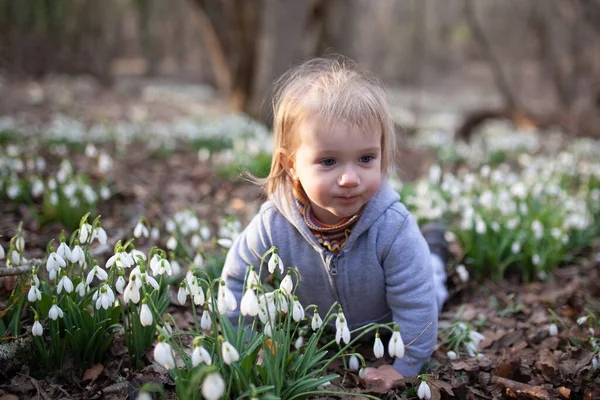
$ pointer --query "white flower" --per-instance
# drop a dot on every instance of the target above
(249, 303)
(200, 354)
(55, 262)
(164, 355)
(353, 364)
(182, 294)
(77, 255)
(213, 387)
(34, 293)
(538, 229)
(274, 262)
(268, 329)
(316, 322)
(480, 227)
(342, 332)
(64, 251)
(225, 242)
(84, 233)
(226, 300)
(516, 247)
(104, 297)
(205, 320)
(378, 348)
(462, 272)
(253, 279)
(81, 288)
(55, 312)
(100, 234)
(145, 315)
(120, 284)
(297, 310)
(172, 243)
(140, 230)
(299, 342)
(37, 329)
(132, 291)
(396, 345)
(452, 355)
(553, 329)
(2, 254)
(65, 283)
(286, 284)
(362, 372)
(96, 271)
(595, 362)
(424, 392)
(582, 320)
(229, 353)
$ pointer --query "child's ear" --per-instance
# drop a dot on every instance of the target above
(287, 163)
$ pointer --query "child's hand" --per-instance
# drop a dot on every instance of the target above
(386, 374)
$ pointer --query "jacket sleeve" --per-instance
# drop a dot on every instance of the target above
(246, 250)
(410, 295)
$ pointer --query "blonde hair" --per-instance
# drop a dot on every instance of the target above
(334, 91)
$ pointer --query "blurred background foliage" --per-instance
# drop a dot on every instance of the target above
(240, 46)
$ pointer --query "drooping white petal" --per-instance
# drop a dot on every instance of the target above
(298, 310)
(316, 322)
(120, 284)
(37, 329)
(424, 392)
(163, 354)
(229, 353)
(213, 386)
(226, 300)
(145, 315)
(206, 321)
(353, 363)
(378, 348)
(249, 303)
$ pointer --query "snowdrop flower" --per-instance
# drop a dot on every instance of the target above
(200, 355)
(378, 349)
(163, 354)
(299, 342)
(182, 294)
(198, 260)
(553, 329)
(120, 284)
(476, 338)
(63, 251)
(286, 283)
(37, 329)
(424, 392)
(77, 254)
(538, 229)
(195, 241)
(462, 272)
(281, 300)
(213, 386)
(104, 297)
(249, 303)
(132, 291)
(353, 364)
(154, 233)
(225, 242)
(84, 233)
(229, 353)
(341, 329)
(452, 355)
(34, 293)
(595, 363)
(55, 262)
(226, 300)
(396, 345)
(172, 243)
(96, 271)
(582, 320)
(535, 259)
(2, 254)
(297, 310)
(121, 259)
(140, 230)
(198, 294)
(275, 262)
(145, 314)
(55, 312)
(253, 279)
(316, 322)
(100, 234)
(81, 288)
(64, 283)
(516, 247)
(480, 226)
(471, 349)
(205, 320)
(268, 329)
(362, 373)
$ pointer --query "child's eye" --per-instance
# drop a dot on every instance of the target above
(366, 159)
(328, 162)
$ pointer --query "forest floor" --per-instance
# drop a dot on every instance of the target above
(519, 358)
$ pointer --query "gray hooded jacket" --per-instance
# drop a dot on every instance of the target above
(382, 273)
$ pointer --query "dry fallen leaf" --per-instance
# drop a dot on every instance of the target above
(9, 397)
(385, 376)
(93, 372)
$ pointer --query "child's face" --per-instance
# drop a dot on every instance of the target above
(339, 167)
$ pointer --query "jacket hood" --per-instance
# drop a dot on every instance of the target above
(283, 200)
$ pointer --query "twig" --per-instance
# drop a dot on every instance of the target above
(420, 334)
(14, 271)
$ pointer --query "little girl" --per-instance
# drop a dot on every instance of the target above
(332, 215)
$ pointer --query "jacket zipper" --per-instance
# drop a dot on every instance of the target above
(333, 271)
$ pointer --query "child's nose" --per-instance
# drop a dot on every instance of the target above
(349, 178)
